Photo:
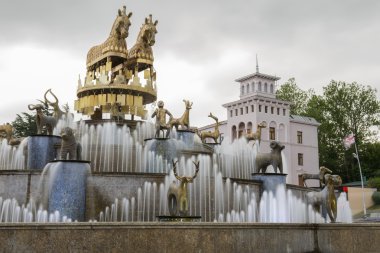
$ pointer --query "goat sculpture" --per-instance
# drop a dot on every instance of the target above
(255, 135)
(179, 193)
(43, 120)
(184, 121)
(214, 135)
(263, 160)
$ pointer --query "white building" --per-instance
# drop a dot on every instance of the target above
(258, 104)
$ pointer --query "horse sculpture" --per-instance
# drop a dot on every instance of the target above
(256, 135)
(179, 193)
(214, 135)
(116, 41)
(145, 40)
(184, 121)
(321, 176)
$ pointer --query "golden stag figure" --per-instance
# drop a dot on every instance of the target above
(256, 135)
(214, 135)
(184, 121)
(160, 114)
(179, 193)
(116, 41)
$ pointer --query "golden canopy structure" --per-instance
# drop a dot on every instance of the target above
(119, 81)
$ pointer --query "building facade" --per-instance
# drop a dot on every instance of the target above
(258, 105)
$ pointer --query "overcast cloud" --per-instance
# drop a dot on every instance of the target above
(201, 47)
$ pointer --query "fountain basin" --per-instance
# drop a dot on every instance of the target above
(270, 180)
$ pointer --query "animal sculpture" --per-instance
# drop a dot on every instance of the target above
(326, 197)
(321, 176)
(115, 43)
(208, 134)
(177, 195)
(263, 160)
(184, 120)
(255, 135)
(57, 111)
(43, 120)
(70, 148)
(6, 131)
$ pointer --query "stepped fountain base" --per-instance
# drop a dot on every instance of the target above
(67, 193)
(164, 218)
(41, 150)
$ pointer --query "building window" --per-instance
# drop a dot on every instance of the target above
(266, 87)
(300, 159)
(236, 112)
(252, 108)
(246, 109)
(271, 110)
(259, 88)
(272, 133)
(299, 137)
(241, 111)
(253, 87)
(259, 108)
(284, 111)
(266, 109)
(231, 113)
(278, 111)
(271, 88)
(242, 90)
(247, 88)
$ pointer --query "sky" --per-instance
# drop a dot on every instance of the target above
(201, 47)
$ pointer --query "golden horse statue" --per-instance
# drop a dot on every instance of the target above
(208, 134)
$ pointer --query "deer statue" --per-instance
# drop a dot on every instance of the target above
(184, 121)
(256, 135)
(57, 111)
(214, 135)
(179, 193)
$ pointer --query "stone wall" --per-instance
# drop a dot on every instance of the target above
(185, 237)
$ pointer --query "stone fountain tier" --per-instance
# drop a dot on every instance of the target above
(164, 218)
(270, 181)
(41, 150)
(67, 188)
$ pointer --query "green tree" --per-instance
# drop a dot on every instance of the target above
(289, 91)
(346, 108)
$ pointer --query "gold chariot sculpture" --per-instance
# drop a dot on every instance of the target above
(112, 83)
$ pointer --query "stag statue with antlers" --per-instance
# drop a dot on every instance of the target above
(179, 193)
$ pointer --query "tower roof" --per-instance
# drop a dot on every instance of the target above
(257, 74)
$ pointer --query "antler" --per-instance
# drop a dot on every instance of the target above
(175, 168)
(31, 107)
(212, 116)
(196, 169)
(47, 100)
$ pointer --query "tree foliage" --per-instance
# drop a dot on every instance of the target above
(343, 108)
(289, 91)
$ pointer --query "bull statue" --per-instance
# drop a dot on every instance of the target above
(43, 120)
(177, 195)
(263, 160)
(70, 148)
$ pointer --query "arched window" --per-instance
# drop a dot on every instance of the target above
(265, 87)
(271, 88)
(241, 129)
(281, 132)
(247, 88)
(242, 90)
(233, 133)
(249, 127)
(253, 87)
(259, 88)
(272, 130)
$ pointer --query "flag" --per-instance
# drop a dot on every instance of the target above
(348, 141)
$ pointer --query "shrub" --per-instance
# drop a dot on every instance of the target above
(376, 198)
(374, 182)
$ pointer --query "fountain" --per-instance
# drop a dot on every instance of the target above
(123, 173)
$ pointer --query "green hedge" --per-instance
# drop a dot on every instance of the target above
(374, 182)
(376, 198)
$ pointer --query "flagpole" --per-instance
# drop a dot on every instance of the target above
(361, 178)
